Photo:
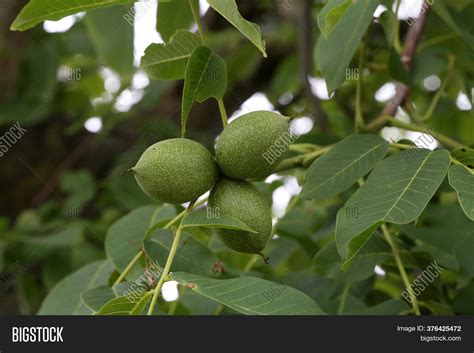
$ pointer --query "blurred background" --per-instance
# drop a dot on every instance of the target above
(76, 111)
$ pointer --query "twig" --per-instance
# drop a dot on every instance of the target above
(301, 161)
(401, 268)
(445, 140)
(359, 119)
(169, 262)
(131, 264)
(71, 159)
(411, 42)
(344, 294)
(305, 45)
(396, 28)
(223, 112)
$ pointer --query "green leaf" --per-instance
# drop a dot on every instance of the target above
(463, 300)
(65, 297)
(464, 156)
(387, 20)
(228, 9)
(450, 247)
(192, 256)
(451, 21)
(96, 298)
(162, 217)
(344, 164)
(201, 219)
(71, 235)
(327, 261)
(37, 11)
(438, 308)
(389, 307)
(462, 180)
(174, 15)
(330, 14)
(301, 222)
(124, 238)
(80, 187)
(334, 53)
(397, 191)
(206, 77)
(251, 296)
(112, 37)
(168, 61)
(126, 305)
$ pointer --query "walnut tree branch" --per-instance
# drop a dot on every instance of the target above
(407, 57)
(305, 47)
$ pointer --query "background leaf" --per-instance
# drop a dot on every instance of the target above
(452, 248)
(228, 9)
(168, 61)
(462, 180)
(174, 15)
(327, 261)
(112, 37)
(251, 296)
(334, 54)
(330, 14)
(344, 164)
(65, 297)
(37, 11)
(397, 191)
(206, 77)
(464, 156)
(124, 238)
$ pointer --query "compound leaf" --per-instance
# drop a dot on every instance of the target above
(397, 191)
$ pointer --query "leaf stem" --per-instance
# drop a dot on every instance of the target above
(359, 119)
(445, 140)
(401, 268)
(310, 157)
(169, 262)
(301, 161)
(303, 147)
(129, 267)
(401, 146)
(437, 96)
(252, 261)
(197, 18)
(223, 112)
(140, 253)
(396, 29)
(342, 303)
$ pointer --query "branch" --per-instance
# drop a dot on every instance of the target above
(305, 47)
(412, 39)
(71, 159)
(169, 262)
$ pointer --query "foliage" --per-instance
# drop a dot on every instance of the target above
(384, 184)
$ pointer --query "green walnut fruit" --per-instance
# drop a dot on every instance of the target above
(253, 145)
(176, 171)
(241, 200)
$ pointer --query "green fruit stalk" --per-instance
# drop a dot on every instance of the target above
(176, 171)
(241, 200)
(252, 146)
